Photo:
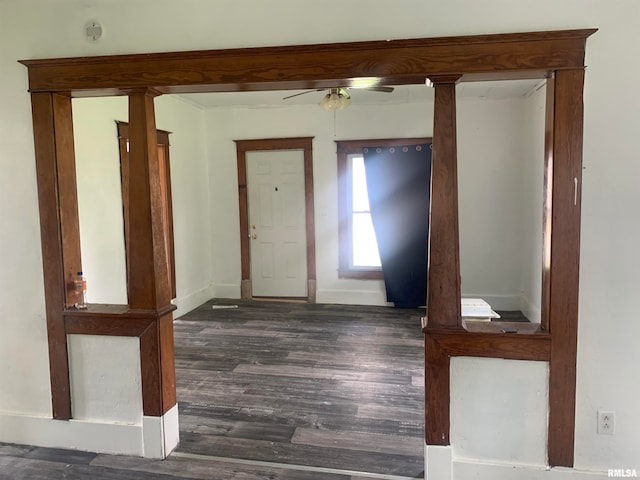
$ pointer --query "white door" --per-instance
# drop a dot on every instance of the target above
(277, 225)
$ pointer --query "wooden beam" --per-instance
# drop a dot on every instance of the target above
(564, 266)
(535, 347)
(50, 110)
(148, 285)
(443, 302)
(436, 393)
(67, 195)
(393, 62)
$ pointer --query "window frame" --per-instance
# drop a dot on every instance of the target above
(345, 148)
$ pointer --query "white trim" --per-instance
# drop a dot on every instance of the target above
(225, 290)
(530, 310)
(437, 462)
(99, 437)
(289, 466)
(193, 300)
(155, 438)
(478, 470)
(439, 465)
(353, 297)
(161, 434)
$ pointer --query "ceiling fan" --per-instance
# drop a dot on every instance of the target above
(338, 98)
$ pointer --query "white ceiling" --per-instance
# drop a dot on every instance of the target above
(402, 94)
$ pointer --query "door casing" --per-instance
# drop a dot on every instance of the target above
(298, 143)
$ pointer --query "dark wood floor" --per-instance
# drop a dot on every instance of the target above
(280, 391)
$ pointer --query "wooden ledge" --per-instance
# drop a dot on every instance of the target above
(110, 319)
(491, 343)
(110, 310)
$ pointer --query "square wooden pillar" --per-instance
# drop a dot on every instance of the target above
(561, 269)
(443, 297)
(148, 283)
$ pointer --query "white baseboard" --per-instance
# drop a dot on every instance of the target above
(437, 462)
(481, 471)
(439, 465)
(225, 290)
(73, 434)
(352, 297)
(193, 300)
(155, 438)
(161, 434)
(531, 311)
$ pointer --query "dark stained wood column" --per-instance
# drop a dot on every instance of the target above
(148, 283)
(443, 298)
(60, 232)
(436, 392)
(561, 279)
(148, 286)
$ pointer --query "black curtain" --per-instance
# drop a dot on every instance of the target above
(398, 182)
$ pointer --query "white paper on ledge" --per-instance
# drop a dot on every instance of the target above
(477, 308)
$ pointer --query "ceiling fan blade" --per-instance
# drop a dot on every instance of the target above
(380, 89)
(303, 93)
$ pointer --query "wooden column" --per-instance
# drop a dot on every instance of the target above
(59, 228)
(561, 272)
(436, 392)
(148, 283)
(148, 286)
(443, 298)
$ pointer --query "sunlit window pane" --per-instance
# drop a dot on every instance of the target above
(365, 246)
(359, 196)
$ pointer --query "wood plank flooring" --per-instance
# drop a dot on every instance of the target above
(329, 386)
(278, 391)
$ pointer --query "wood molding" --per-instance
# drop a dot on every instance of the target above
(155, 331)
(564, 270)
(534, 347)
(164, 161)
(442, 344)
(394, 62)
(148, 285)
(443, 273)
(436, 393)
(266, 144)
(68, 195)
(44, 111)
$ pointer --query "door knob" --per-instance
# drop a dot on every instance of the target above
(254, 236)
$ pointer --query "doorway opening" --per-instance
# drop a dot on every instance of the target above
(277, 229)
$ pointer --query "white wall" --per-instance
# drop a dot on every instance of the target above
(511, 425)
(610, 265)
(100, 197)
(490, 168)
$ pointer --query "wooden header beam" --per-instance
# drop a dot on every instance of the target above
(313, 66)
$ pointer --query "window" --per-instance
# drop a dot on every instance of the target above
(358, 255)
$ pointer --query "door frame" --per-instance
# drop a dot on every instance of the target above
(266, 144)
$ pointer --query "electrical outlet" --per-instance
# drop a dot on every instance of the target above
(606, 422)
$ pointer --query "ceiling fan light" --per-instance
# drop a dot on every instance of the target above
(335, 100)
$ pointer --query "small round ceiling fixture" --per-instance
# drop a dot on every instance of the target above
(93, 30)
